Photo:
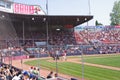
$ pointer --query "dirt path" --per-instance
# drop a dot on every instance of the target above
(43, 72)
(75, 60)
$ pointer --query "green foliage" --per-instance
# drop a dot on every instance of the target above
(97, 23)
(115, 14)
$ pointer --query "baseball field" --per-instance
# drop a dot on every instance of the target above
(91, 67)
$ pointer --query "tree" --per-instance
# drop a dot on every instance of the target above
(115, 14)
(97, 23)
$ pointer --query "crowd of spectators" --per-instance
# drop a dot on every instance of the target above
(54, 38)
(104, 36)
(8, 72)
(14, 51)
(76, 50)
(64, 38)
(85, 36)
(100, 42)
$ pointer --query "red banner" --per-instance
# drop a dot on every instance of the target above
(24, 9)
(27, 9)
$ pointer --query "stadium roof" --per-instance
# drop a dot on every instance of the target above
(52, 19)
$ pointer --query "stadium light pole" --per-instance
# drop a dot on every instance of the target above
(89, 10)
(47, 7)
(23, 43)
(89, 6)
(39, 52)
(47, 21)
(82, 54)
(23, 32)
(56, 57)
(56, 64)
(47, 33)
(82, 58)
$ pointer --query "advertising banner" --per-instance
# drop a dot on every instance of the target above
(27, 9)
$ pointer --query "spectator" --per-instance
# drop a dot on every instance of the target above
(26, 75)
(50, 75)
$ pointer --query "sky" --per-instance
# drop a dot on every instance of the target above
(100, 9)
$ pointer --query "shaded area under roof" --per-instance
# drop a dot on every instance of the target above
(52, 19)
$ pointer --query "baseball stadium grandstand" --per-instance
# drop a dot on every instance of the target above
(27, 32)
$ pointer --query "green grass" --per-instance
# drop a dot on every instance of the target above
(74, 69)
(108, 60)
